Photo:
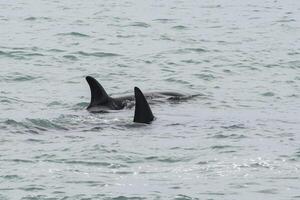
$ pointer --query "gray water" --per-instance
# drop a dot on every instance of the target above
(238, 140)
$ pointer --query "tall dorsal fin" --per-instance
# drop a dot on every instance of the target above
(142, 113)
(98, 94)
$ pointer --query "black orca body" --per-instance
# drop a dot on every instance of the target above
(100, 101)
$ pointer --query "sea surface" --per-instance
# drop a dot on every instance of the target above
(238, 140)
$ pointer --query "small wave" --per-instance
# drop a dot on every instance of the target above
(33, 188)
(43, 124)
(219, 27)
(235, 126)
(70, 121)
(19, 160)
(20, 78)
(89, 183)
(268, 94)
(87, 163)
(205, 77)
(268, 191)
(183, 197)
(97, 54)
(20, 55)
(36, 18)
(80, 106)
(127, 198)
(4, 99)
(125, 36)
(18, 125)
(165, 20)
(191, 61)
(293, 53)
(233, 136)
(189, 50)
(179, 27)
(168, 159)
(21, 49)
(24, 78)
(30, 18)
(33, 126)
(56, 50)
(198, 50)
(11, 177)
(297, 154)
(93, 129)
(76, 34)
(3, 19)
(177, 81)
(11, 55)
(286, 20)
(70, 57)
(214, 193)
(55, 103)
(184, 98)
(166, 37)
(33, 54)
(140, 24)
(31, 140)
(211, 6)
(258, 163)
(220, 146)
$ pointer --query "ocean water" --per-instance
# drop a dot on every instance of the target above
(239, 139)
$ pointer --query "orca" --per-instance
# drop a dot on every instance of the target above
(142, 113)
(101, 101)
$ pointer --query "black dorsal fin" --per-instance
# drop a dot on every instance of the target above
(142, 113)
(98, 94)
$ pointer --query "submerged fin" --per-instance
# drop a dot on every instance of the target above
(142, 113)
(98, 94)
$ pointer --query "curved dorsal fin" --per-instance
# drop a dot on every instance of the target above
(142, 113)
(98, 94)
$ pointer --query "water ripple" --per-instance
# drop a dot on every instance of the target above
(19, 54)
(140, 24)
(97, 54)
(44, 124)
(34, 126)
(126, 198)
(76, 34)
(37, 18)
(179, 27)
(18, 77)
